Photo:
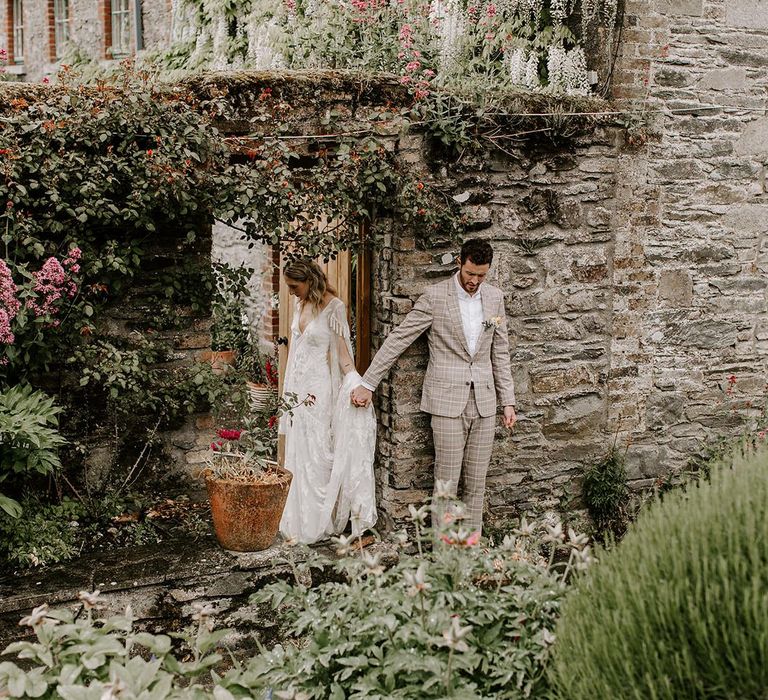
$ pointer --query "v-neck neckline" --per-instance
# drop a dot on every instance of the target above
(313, 319)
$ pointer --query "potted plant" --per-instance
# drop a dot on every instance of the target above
(247, 488)
(261, 377)
(229, 334)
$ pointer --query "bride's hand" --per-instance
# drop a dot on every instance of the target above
(361, 396)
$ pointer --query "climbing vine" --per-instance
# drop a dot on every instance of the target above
(96, 178)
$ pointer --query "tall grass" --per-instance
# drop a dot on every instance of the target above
(680, 608)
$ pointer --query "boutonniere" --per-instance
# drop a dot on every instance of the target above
(492, 322)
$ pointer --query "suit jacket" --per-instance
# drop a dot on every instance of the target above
(451, 369)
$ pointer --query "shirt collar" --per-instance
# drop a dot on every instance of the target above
(463, 293)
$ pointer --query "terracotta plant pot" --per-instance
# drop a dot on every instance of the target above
(246, 516)
(260, 395)
(221, 360)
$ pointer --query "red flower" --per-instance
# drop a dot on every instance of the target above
(732, 379)
(272, 422)
(272, 375)
(228, 434)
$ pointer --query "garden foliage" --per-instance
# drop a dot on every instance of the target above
(95, 179)
(474, 49)
(606, 493)
(29, 438)
(679, 608)
(462, 621)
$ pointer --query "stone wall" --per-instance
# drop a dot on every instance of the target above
(547, 212)
(181, 449)
(231, 248)
(633, 264)
(634, 270)
(689, 272)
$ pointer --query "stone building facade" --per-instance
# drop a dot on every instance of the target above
(634, 262)
(635, 267)
(38, 34)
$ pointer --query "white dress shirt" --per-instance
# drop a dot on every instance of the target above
(471, 307)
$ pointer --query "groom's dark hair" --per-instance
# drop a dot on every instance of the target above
(478, 251)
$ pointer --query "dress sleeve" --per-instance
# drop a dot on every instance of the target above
(337, 321)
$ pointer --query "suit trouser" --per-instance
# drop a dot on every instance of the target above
(462, 452)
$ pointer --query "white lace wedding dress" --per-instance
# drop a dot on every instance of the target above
(329, 446)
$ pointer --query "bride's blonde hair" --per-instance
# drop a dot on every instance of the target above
(307, 270)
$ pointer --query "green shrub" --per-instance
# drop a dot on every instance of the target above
(461, 621)
(679, 609)
(606, 494)
(75, 657)
(49, 533)
(29, 439)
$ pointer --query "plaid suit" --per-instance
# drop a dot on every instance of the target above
(460, 390)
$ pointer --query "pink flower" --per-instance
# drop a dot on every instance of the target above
(491, 10)
(473, 539)
(461, 538)
(6, 336)
(405, 79)
(412, 66)
(428, 72)
(52, 282)
(46, 81)
(8, 300)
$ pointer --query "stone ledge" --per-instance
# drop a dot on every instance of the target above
(160, 582)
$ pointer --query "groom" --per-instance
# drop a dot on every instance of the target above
(467, 376)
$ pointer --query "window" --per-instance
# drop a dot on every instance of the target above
(121, 27)
(60, 26)
(17, 15)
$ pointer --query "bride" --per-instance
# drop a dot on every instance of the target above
(329, 445)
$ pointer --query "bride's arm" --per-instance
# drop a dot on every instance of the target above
(338, 323)
(346, 363)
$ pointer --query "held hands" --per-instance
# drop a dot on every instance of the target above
(361, 396)
(510, 418)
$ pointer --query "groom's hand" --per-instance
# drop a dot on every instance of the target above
(510, 418)
(361, 396)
